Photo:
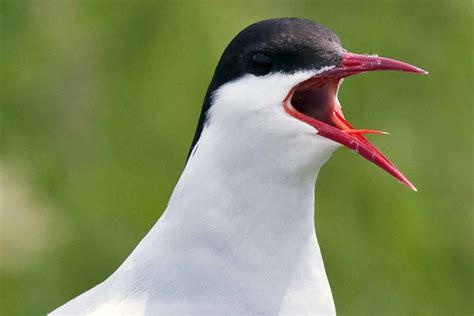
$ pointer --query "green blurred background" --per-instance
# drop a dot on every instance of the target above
(99, 102)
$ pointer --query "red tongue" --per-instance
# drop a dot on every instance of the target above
(365, 148)
(346, 126)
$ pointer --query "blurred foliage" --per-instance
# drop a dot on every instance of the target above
(99, 102)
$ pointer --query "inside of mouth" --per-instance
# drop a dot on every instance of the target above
(319, 101)
(315, 102)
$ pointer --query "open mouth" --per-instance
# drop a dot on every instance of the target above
(314, 101)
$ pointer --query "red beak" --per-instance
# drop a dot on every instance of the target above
(314, 101)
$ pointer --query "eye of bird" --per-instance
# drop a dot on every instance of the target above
(261, 64)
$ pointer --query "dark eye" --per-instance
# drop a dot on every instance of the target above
(261, 64)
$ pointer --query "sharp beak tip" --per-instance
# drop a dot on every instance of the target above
(411, 186)
(422, 71)
(408, 184)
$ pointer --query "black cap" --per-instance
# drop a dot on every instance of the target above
(278, 45)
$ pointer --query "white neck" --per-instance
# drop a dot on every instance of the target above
(238, 236)
(241, 227)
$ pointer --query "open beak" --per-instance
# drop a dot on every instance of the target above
(314, 101)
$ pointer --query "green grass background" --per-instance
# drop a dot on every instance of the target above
(99, 102)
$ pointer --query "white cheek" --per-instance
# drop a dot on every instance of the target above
(251, 93)
(257, 103)
(255, 100)
(249, 112)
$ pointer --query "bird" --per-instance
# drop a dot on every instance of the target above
(238, 234)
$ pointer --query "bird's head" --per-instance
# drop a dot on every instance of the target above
(276, 86)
